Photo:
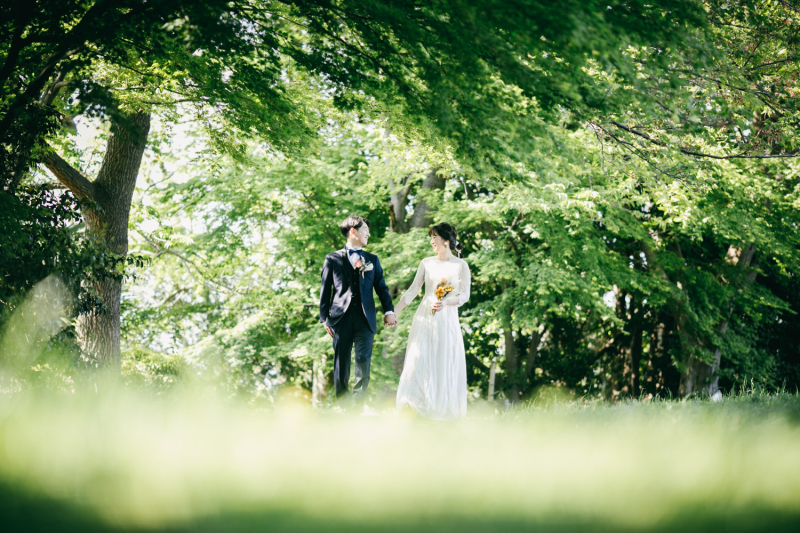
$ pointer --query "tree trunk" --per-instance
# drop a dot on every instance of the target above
(112, 191)
(533, 350)
(419, 219)
(511, 356)
(654, 354)
(699, 375)
(635, 361)
(422, 211)
(696, 377)
(492, 371)
(397, 207)
(618, 352)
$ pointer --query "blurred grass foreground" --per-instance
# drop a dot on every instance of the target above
(128, 462)
(110, 458)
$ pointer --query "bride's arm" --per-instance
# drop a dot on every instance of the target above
(463, 288)
(412, 291)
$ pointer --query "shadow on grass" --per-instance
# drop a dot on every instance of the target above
(22, 512)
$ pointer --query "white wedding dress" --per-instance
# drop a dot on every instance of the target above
(434, 378)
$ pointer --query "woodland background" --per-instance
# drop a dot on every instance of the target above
(623, 176)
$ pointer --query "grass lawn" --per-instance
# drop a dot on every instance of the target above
(132, 462)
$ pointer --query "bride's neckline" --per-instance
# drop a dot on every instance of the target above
(436, 258)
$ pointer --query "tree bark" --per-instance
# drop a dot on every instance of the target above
(617, 351)
(397, 204)
(112, 192)
(492, 371)
(422, 211)
(533, 350)
(635, 361)
(699, 375)
(655, 352)
(512, 363)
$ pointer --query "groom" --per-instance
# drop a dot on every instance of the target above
(346, 306)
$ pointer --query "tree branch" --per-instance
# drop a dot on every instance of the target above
(52, 91)
(715, 80)
(639, 133)
(635, 149)
(788, 5)
(72, 43)
(692, 152)
(33, 88)
(772, 63)
(17, 45)
(69, 176)
(611, 344)
(206, 281)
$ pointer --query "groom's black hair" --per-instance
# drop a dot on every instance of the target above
(353, 221)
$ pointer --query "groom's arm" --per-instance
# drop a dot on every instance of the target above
(325, 291)
(379, 284)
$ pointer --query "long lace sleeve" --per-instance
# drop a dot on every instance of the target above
(463, 288)
(413, 290)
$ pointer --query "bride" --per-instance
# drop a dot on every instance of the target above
(434, 378)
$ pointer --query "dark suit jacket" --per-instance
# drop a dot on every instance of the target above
(336, 291)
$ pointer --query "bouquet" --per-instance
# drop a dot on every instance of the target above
(442, 290)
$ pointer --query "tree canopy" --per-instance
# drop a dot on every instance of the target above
(622, 176)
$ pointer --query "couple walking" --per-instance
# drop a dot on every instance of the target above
(434, 378)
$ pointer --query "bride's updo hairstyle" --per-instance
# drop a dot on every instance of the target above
(449, 235)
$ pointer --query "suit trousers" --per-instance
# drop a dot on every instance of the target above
(352, 331)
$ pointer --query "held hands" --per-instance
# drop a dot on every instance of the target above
(329, 330)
